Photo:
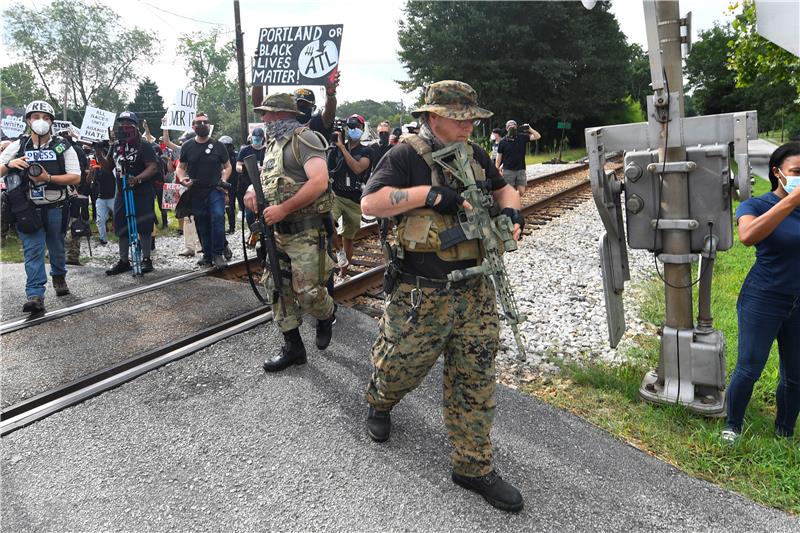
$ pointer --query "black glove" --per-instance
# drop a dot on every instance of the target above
(449, 203)
(516, 218)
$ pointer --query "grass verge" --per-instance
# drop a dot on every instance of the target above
(568, 155)
(759, 466)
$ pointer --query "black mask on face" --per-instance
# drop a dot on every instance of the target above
(202, 130)
(384, 137)
(128, 134)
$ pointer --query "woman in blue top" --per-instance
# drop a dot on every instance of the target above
(769, 302)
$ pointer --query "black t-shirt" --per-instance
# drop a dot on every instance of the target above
(136, 161)
(104, 183)
(378, 150)
(402, 167)
(244, 178)
(204, 161)
(316, 124)
(514, 151)
(347, 183)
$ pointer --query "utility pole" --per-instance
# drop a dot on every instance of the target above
(240, 64)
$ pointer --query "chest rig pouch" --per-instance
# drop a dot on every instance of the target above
(420, 230)
(278, 187)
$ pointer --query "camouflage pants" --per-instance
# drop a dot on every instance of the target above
(306, 256)
(72, 244)
(462, 323)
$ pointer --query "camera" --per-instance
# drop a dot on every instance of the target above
(35, 170)
(338, 128)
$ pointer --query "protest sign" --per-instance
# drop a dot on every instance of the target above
(172, 193)
(297, 55)
(13, 126)
(180, 113)
(96, 123)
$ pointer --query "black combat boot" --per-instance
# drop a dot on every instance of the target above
(60, 285)
(34, 305)
(292, 353)
(494, 490)
(379, 424)
(119, 268)
(325, 330)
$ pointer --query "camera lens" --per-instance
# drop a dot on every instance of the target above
(35, 169)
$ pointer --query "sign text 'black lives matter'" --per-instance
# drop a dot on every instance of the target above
(297, 55)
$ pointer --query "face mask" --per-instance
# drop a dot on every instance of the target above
(792, 182)
(384, 137)
(127, 134)
(355, 134)
(258, 141)
(305, 117)
(40, 126)
(202, 130)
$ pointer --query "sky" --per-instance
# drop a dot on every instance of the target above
(369, 64)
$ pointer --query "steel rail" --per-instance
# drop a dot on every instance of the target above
(26, 322)
(42, 405)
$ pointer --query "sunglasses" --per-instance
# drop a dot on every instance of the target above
(199, 122)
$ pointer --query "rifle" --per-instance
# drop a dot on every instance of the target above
(266, 232)
(478, 223)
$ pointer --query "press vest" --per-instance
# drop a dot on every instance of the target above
(419, 229)
(51, 158)
(278, 187)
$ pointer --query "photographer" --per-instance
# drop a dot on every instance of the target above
(37, 169)
(511, 154)
(348, 166)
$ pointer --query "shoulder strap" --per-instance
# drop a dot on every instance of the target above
(297, 139)
(424, 150)
(23, 140)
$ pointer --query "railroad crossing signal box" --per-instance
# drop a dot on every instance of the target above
(709, 198)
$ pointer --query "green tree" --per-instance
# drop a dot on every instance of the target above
(638, 77)
(148, 104)
(18, 85)
(73, 44)
(208, 63)
(372, 111)
(526, 60)
(754, 59)
(715, 86)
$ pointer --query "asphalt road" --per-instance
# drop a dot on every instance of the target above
(211, 443)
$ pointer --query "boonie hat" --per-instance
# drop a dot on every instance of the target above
(452, 99)
(278, 102)
(128, 115)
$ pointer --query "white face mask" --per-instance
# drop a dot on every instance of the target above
(40, 126)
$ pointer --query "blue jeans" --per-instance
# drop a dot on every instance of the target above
(103, 208)
(210, 223)
(33, 245)
(766, 315)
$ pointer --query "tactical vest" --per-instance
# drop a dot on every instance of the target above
(419, 229)
(279, 187)
(52, 160)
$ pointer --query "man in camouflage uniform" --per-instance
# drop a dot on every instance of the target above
(426, 315)
(295, 183)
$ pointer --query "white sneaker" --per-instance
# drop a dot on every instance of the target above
(729, 436)
(342, 258)
(186, 253)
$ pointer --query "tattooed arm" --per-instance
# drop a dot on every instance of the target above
(390, 201)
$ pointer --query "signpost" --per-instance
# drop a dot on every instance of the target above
(563, 126)
(297, 55)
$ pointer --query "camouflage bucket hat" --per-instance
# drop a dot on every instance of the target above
(452, 99)
(279, 102)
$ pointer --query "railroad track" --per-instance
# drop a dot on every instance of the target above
(363, 291)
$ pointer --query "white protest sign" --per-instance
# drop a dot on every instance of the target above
(96, 123)
(180, 113)
(13, 126)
